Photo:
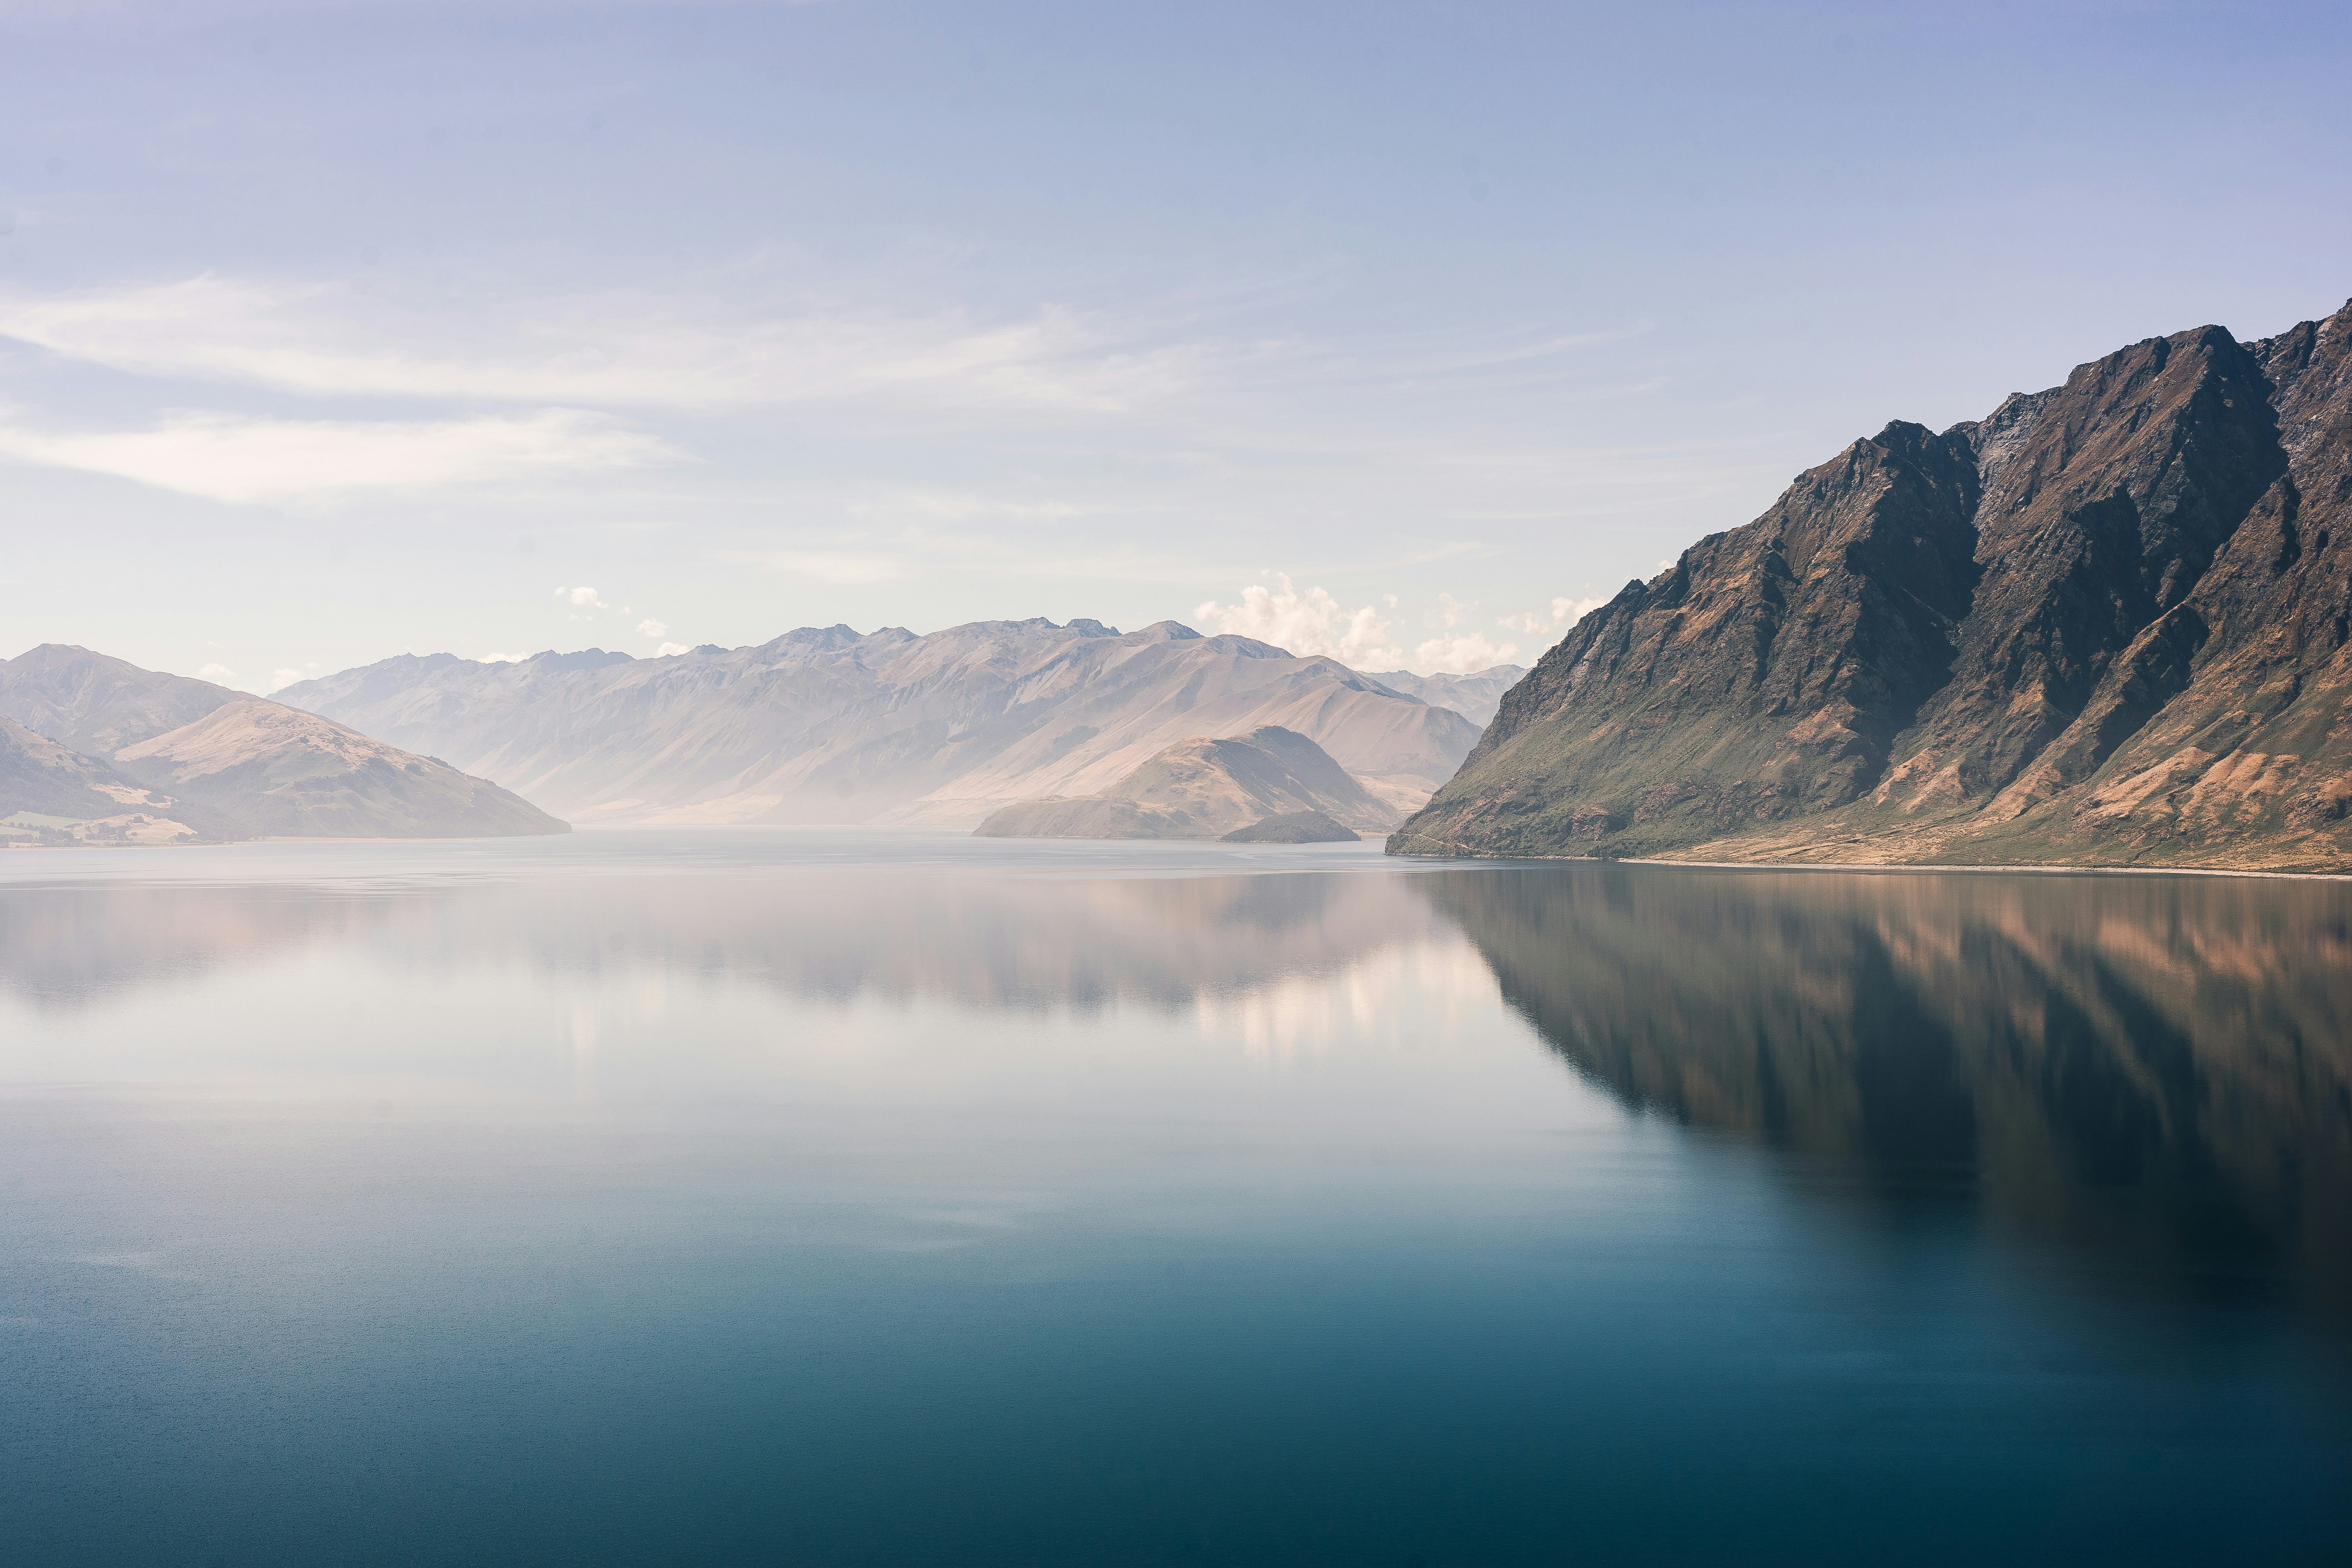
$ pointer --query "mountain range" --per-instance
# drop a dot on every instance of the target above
(95, 750)
(2106, 624)
(827, 725)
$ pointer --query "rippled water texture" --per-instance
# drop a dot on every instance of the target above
(867, 1199)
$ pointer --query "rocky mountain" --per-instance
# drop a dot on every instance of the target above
(120, 741)
(827, 725)
(1474, 696)
(1202, 788)
(2106, 624)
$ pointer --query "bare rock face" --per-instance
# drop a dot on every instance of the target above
(825, 724)
(1203, 788)
(2106, 624)
(224, 764)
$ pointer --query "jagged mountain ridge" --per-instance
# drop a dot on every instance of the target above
(2106, 624)
(217, 764)
(829, 725)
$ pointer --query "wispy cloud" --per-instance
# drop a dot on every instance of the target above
(614, 349)
(239, 458)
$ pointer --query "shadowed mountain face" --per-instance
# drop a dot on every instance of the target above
(2160, 1063)
(1203, 788)
(2107, 623)
(825, 725)
(195, 760)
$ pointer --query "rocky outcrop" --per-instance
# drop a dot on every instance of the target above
(1203, 788)
(2106, 624)
(177, 758)
(829, 725)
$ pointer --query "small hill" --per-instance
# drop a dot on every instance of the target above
(224, 763)
(1203, 788)
(49, 794)
(1294, 827)
(282, 772)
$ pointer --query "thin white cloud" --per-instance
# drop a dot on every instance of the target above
(240, 459)
(1308, 624)
(649, 628)
(220, 673)
(583, 597)
(671, 650)
(280, 680)
(503, 658)
(613, 350)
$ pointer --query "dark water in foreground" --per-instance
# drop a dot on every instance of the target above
(819, 1199)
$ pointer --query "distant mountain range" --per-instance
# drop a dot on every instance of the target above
(828, 725)
(1474, 696)
(93, 749)
(1206, 787)
(2110, 623)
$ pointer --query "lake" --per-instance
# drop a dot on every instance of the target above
(736, 1196)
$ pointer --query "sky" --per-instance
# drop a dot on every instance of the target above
(331, 329)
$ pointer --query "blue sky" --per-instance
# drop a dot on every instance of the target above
(338, 329)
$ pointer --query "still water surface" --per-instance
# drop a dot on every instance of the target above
(872, 1199)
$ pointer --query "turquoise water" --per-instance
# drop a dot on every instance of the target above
(866, 1198)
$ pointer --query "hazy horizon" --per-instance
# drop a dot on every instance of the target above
(331, 329)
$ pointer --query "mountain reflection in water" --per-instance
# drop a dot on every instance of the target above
(878, 1201)
(2163, 1064)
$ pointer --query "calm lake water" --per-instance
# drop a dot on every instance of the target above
(744, 1197)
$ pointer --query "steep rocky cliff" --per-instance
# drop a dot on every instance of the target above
(2106, 624)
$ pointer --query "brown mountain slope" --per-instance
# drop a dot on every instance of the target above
(2105, 625)
(241, 766)
(1202, 788)
(283, 772)
(51, 795)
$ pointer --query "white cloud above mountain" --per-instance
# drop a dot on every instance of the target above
(256, 458)
(1308, 624)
